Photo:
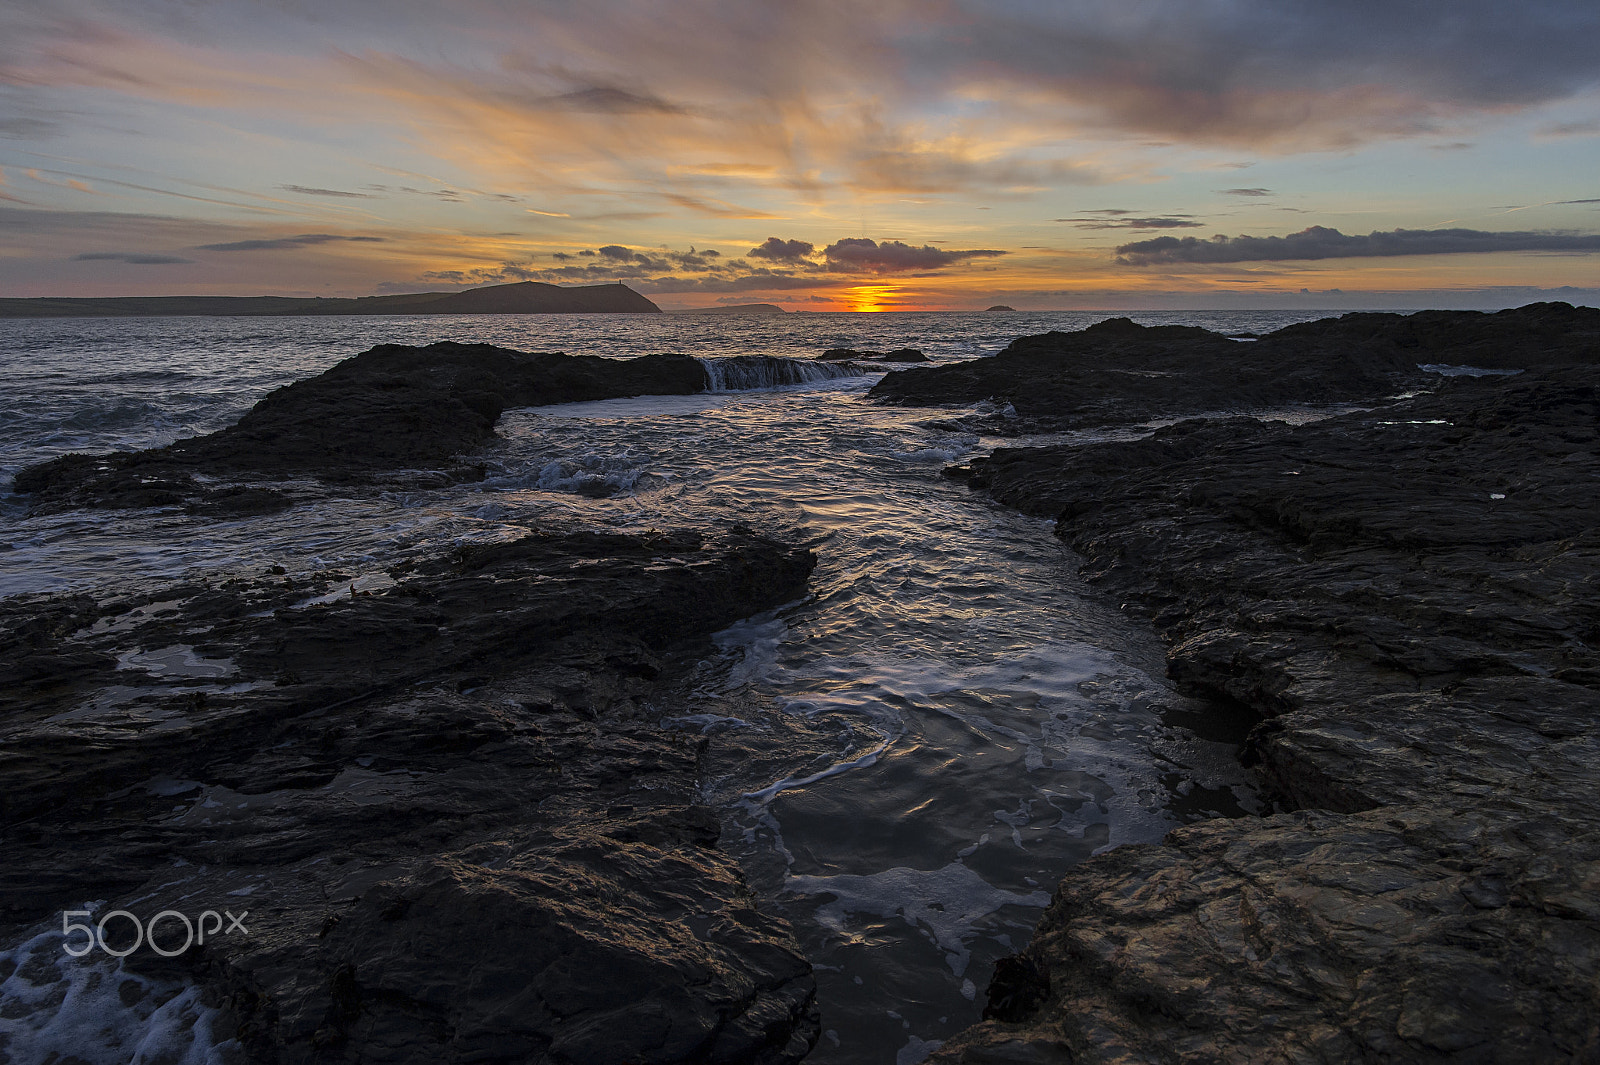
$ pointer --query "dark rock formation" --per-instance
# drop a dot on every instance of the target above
(1405, 600)
(737, 308)
(457, 828)
(1118, 372)
(1000, 307)
(851, 354)
(523, 297)
(390, 408)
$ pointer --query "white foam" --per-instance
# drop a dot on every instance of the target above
(745, 373)
(54, 1006)
(752, 646)
(771, 791)
(602, 475)
(938, 455)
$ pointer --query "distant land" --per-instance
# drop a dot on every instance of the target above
(524, 297)
(740, 308)
(1001, 307)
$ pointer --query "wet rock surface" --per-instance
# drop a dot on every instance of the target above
(459, 829)
(1120, 373)
(393, 415)
(1405, 600)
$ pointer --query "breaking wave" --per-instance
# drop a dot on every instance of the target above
(746, 373)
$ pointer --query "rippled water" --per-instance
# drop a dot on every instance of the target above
(908, 757)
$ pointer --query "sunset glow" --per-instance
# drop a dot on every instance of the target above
(822, 156)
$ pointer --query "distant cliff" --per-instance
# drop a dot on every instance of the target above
(526, 297)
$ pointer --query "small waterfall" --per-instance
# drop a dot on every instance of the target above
(742, 373)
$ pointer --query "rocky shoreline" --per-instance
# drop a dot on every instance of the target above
(392, 417)
(1120, 373)
(446, 794)
(449, 805)
(454, 805)
(1404, 599)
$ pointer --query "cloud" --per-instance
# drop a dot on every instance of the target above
(1178, 222)
(863, 255)
(1570, 129)
(29, 129)
(137, 258)
(281, 243)
(1294, 73)
(608, 99)
(640, 263)
(505, 273)
(785, 265)
(307, 191)
(782, 250)
(1319, 242)
(715, 208)
(806, 98)
(1245, 192)
(760, 281)
(448, 195)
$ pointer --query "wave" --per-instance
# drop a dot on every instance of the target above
(744, 373)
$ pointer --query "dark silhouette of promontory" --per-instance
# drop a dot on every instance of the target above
(524, 297)
(739, 308)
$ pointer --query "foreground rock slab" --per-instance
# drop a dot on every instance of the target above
(1405, 599)
(459, 829)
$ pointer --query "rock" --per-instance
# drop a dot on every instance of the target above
(388, 410)
(458, 829)
(851, 354)
(1403, 599)
(737, 308)
(1000, 307)
(1119, 373)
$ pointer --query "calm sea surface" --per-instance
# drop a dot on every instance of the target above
(907, 758)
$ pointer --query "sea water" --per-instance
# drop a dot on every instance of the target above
(906, 758)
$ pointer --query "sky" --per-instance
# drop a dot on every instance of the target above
(820, 155)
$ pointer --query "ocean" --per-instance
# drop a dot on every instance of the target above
(975, 720)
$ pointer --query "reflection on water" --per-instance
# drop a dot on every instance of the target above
(909, 757)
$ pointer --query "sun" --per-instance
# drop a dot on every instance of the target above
(869, 298)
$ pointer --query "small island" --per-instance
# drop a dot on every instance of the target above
(999, 307)
(738, 308)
